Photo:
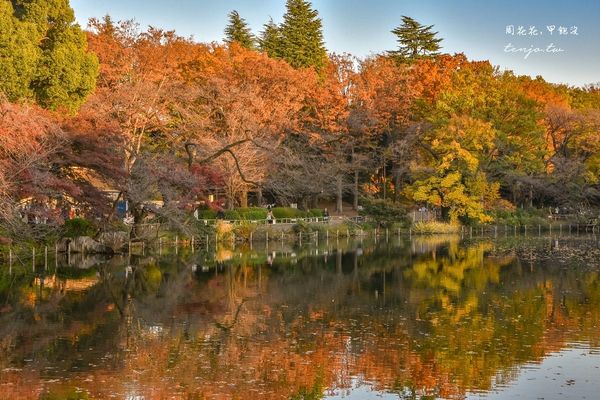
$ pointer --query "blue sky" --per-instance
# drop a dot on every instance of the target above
(476, 28)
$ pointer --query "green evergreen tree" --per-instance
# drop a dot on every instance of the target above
(415, 41)
(19, 54)
(302, 44)
(50, 62)
(270, 39)
(238, 31)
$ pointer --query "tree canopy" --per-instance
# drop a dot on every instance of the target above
(302, 43)
(415, 41)
(45, 54)
(238, 31)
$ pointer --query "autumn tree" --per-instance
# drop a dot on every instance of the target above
(30, 141)
(135, 108)
(380, 121)
(238, 31)
(243, 97)
(455, 180)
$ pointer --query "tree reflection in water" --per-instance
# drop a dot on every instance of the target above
(430, 317)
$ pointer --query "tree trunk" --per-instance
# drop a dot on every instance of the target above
(304, 203)
(383, 180)
(445, 213)
(259, 196)
(397, 176)
(138, 218)
(338, 194)
(355, 197)
(530, 196)
(244, 198)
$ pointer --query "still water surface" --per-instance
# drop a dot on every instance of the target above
(420, 318)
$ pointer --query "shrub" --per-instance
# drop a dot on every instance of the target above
(207, 214)
(288, 212)
(522, 217)
(384, 212)
(258, 213)
(244, 230)
(224, 230)
(78, 227)
(316, 212)
(305, 228)
(232, 215)
(252, 213)
(435, 227)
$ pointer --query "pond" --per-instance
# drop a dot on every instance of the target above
(410, 318)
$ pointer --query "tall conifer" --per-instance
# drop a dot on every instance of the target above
(238, 31)
(302, 44)
(415, 41)
(270, 39)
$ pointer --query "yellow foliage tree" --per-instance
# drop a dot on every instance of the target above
(454, 180)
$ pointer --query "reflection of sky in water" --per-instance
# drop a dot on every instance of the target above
(572, 373)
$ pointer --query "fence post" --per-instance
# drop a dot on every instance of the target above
(33, 258)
